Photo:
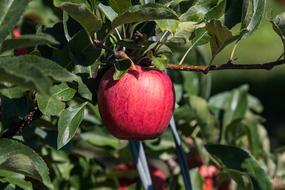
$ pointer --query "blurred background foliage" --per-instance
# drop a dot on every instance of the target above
(234, 109)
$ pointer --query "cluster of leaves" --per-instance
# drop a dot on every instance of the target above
(70, 43)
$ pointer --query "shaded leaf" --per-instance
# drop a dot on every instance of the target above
(82, 14)
(19, 158)
(233, 12)
(28, 40)
(120, 6)
(220, 36)
(233, 158)
(10, 13)
(33, 72)
(141, 13)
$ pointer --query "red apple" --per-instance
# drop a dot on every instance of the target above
(138, 106)
(209, 173)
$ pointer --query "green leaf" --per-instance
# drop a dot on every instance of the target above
(217, 11)
(13, 92)
(120, 6)
(29, 40)
(68, 122)
(121, 68)
(236, 105)
(160, 62)
(49, 105)
(16, 179)
(42, 13)
(10, 13)
(33, 72)
(167, 25)
(19, 158)
(206, 120)
(254, 104)
(108, 11)
(253, 11)
(190, 83)
(62, 92)
(82, 14)
(278, 25)
(100, 139)
(236, 159)
(255, 143)
(141, 13)
(220, 35)
(204, 10)
(52, 104)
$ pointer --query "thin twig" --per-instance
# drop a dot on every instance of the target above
(230, 65)
(23, 123)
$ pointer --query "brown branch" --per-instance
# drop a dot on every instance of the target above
(230, 65)
(20, 125)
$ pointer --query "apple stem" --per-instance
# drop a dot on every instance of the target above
(141, 164)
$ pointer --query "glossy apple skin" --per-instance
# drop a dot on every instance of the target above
(139, 106)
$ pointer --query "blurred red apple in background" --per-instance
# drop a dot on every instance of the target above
(139, 105)
(157, 176)
(21, 51)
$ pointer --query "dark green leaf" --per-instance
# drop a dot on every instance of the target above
(141, 13)
(68, 122)
(19, 158)
(82, 14)
(10, 13)
(42, 13)
(28, 40)
(220, 36)
(120, 6)
(33, 72)
(121, 67)
(233, 158)
(233, 12)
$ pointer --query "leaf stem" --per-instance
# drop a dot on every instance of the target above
(190, 48)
